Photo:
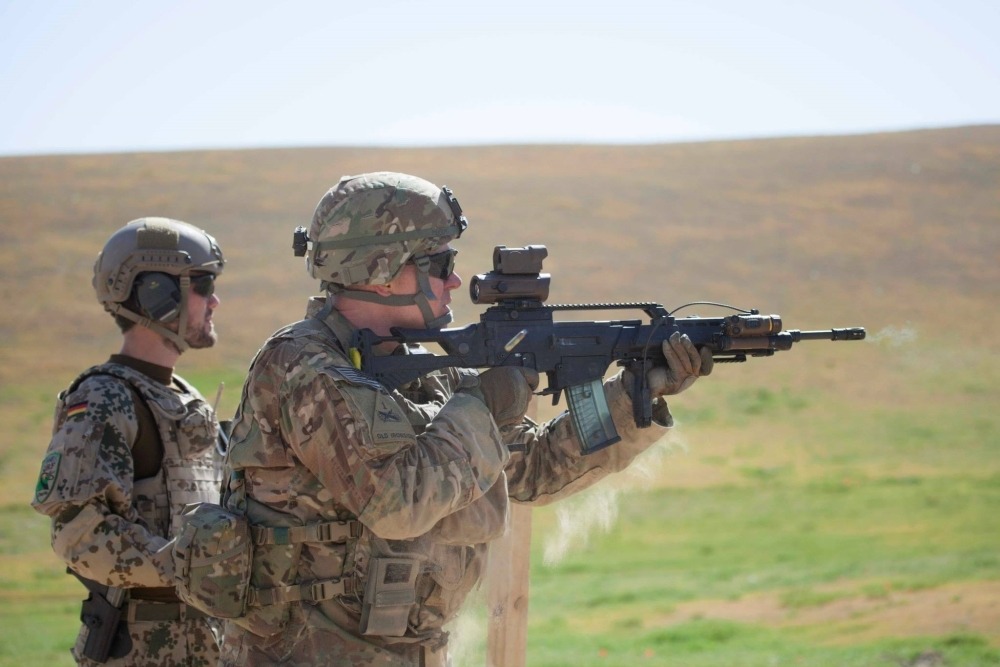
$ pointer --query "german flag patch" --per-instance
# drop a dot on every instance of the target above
(76, 409)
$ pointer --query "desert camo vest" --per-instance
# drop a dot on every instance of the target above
(188, 429)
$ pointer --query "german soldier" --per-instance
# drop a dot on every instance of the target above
(132, 444)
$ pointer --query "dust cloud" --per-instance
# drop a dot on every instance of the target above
(467, 632)
(894, 336)
(579, 517)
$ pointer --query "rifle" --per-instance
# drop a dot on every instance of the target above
(518, 330)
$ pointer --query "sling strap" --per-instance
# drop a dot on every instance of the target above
(312, 591)
(337, 532)
(332, 531)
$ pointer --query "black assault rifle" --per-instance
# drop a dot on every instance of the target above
(518, 330)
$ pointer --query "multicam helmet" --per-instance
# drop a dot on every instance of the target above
(368, 227)
(153, 245)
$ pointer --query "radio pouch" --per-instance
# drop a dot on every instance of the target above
(390, 594)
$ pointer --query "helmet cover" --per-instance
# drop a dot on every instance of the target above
(367, 227)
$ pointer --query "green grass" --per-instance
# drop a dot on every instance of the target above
(728, 542)
(804, 546)
(39, 602)
(707, 643)
(38, 632)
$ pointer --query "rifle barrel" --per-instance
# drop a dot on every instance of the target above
(849, 333)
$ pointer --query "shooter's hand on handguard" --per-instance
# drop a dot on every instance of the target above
(685, 364)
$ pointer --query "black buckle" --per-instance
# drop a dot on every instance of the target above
(456, 210)
(300, 241)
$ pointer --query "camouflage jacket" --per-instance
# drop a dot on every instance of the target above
(425, 472)
(106, 525)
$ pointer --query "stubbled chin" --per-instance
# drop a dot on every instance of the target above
(205, 338)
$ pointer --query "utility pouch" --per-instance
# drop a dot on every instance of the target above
(390, 593)
(213, 555)
(107, 634)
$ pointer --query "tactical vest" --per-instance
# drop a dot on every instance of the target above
(390, 590)
(187, 426)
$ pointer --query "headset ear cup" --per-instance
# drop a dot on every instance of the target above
(159, 296)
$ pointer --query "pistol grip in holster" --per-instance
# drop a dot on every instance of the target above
(107, 633)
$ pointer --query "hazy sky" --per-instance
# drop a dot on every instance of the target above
(126, 75)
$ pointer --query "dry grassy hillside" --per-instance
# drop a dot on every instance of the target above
(889, 230)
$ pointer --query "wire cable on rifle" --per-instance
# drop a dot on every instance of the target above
(711, 303)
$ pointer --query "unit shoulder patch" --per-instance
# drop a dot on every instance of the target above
(47, 476)
(389, 423)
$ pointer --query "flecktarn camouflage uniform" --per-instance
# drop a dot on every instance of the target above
(115, 530)
(380, 506)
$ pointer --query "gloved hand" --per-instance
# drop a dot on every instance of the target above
(685, 364)
(506, 391)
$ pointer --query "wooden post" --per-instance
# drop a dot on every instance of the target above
(507, 589)
(507, 578)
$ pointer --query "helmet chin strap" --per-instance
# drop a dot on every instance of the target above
(422, 299)
(177, 338)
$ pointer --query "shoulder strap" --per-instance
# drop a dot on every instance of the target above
(147, 449)
(321, 317)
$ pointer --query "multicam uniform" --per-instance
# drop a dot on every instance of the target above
(114, 512)
(404, 488)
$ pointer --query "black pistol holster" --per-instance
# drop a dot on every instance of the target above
(107, 631)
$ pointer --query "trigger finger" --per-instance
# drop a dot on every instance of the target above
(531, 376)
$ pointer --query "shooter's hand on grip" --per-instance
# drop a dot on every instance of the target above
(506, 391)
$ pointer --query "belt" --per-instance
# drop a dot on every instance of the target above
(161, 594)
(139, 610)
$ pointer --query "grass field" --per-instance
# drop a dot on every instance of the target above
(838, 504)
